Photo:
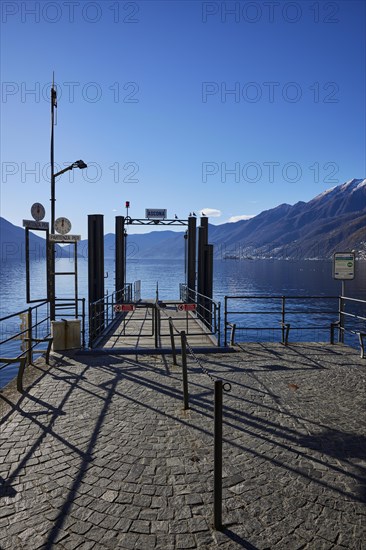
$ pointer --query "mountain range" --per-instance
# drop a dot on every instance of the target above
(333, 221)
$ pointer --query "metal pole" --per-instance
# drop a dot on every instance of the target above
(283, 319)
(120, 254)
(342, 306)
(219, 325)
(225, 321)
(201, 276)
(184, 370)
(172, 341)
(51, 245)
(53, 199)
(341, 320)
(218, 456)
(96, 274)
(83, 319)
(30, 336)
(191, 259)
(208, 284)
(76, 279)
(157, 325)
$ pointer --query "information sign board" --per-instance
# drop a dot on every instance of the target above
(124, 307)
(33, 224)
(186, 307)
(344, 266)
(56, 238)
(155, 213)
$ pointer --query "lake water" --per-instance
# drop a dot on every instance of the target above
(231, 277)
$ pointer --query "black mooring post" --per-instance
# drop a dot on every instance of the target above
(202, 242)
(208, 284)
(191, 259)
(96, 273)
(120, 258)
(218, 456)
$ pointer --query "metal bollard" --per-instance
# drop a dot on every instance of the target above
(172, 341)
(184, 370)
(218, 456)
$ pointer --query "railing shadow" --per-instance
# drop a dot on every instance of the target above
(156, 378)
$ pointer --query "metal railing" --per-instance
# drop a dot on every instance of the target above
(137, 290)
(208, 311)
(352, 319)
(102, 312)
(22, 333)
(301, 313)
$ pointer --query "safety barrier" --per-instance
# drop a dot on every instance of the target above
(218, 386)
(25, 331)
(302, 313)
(102, 312)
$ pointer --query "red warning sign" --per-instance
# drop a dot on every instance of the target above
(124, 307)
(186, 307)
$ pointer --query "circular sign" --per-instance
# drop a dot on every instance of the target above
(62, 226)
(38, 211)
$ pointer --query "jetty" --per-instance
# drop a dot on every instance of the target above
(145, 423)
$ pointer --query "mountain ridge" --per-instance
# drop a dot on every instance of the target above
(332, 221)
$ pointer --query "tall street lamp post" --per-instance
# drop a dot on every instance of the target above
(51, 252)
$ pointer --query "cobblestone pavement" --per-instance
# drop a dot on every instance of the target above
(100, 453)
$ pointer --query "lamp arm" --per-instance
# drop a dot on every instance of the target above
(63, 171)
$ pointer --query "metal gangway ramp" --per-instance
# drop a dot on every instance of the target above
(148, 325)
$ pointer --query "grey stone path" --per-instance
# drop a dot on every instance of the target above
(100, 454)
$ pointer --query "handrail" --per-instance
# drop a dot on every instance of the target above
(286, 309)
(208, 309)
(35, 329)
(102, 312)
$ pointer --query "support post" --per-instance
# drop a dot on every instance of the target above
(341, 320)
(51, 281)
(172, 341)
(96, 274)
(218, 456)
(29, 337)
(21, 370)
(208, 284)
(120, 258)
(191, 259)
(202, 242)
(184, 370)
(283, 314)
(157, 325)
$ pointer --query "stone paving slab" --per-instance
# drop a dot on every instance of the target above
(100, 453)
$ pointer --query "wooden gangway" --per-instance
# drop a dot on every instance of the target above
(150, 325)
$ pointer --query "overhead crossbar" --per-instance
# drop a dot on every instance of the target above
(148, 221)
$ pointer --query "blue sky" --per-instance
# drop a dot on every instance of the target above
(229, 107)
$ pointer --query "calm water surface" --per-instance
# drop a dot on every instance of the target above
(231, 277)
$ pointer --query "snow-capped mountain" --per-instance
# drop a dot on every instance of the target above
(333, 221)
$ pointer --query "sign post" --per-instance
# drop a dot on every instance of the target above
(344, 267)
(343, 270)
(38, 213)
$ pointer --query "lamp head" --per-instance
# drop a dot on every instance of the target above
(79, 164)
